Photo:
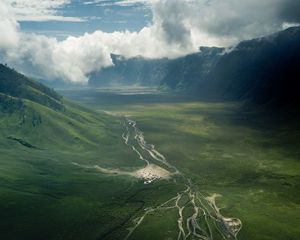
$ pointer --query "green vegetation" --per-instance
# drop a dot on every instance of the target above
(17, 85)
(44, 191)
(50, 189)
(250, 159)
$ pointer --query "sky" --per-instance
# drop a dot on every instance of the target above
(68, 39)
(78, 17)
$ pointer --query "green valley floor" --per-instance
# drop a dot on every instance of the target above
(144, 164)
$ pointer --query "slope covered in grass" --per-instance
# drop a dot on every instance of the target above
(44, 139)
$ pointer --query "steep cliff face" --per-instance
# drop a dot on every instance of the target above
(133, 71)
(188, 72)
(261, 71)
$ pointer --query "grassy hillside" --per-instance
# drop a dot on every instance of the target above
(17, 85)
(43, 193)
(50, 188)
(35, 114)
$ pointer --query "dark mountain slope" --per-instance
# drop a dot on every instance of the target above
(187, 72)
(17, 85)
(260, 71)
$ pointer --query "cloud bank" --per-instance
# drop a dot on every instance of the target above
(178, 27)
(8, 28)
(37, 10)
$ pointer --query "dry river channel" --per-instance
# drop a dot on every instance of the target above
(206, 215)
(205, 221)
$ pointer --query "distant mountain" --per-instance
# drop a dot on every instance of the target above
(187, 72)
(133, 71)
(262, 71)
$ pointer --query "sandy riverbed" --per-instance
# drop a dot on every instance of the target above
(149, 173)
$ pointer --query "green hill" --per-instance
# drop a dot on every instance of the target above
(17, 85)
(43, 193)
(35, 114)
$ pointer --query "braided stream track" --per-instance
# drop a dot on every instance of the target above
(205, 220)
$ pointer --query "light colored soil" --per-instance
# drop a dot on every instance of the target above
(149, 173)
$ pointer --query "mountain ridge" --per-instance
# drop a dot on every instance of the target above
(260, 71)
(37, 117)
(18, 85)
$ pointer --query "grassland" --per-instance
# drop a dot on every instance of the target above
(252, 161)
(248, 157)
(44, 195)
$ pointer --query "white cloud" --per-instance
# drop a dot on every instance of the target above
(217, 22)
(45, 18)
(286, 25)
(179, 27)
(133, 2)
(120, 2)
(8, 27)
(37, 10)
(72, 59)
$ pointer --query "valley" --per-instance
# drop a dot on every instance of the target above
(149, 120)
(148, 164)
(216, 149)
